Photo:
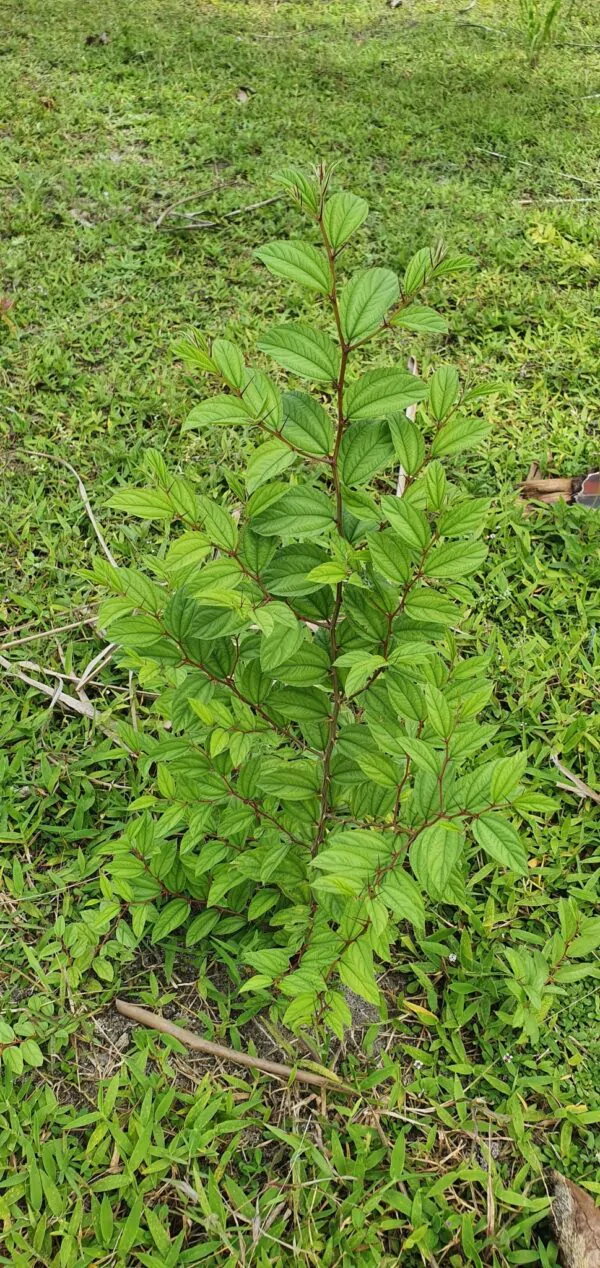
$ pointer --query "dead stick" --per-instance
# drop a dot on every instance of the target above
(36, 453)
(187, 1037)
(577, 785)
(56, 696)
(227, 215)
(188, 198)
(58, 629)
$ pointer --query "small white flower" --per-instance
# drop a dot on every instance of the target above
(452, 957)
(507, 1056)
(418, 1065)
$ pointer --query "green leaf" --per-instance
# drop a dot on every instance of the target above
(158, 1232)
(367, 801)
(400, 893)
(506, 776)
(330, 572)
(419, 267)
(263, 497)
(379, 768)
(361, 666)
(360, 850)
(464, 517)
(588, 939)
(443, 391)
(422, 319)
(293, 780)
(354, 738)
(382, 392)
(439, 714)
(300, 705)
(306, 425)
(200, 927)
(366, 448)
(299, 262)
(361, 505)
(148, 504)
(343, 214)
(131, 1233)
(389, 556)
(103, 968)
(435, 482)
(280, 645)
(186, 555)
(7, 1034)
(301, 512)
(273, 615)
(365, 300)
(356, 971)
(425, 604)
(229, 362)
(193, 350)
(434, 854)
(309, 353)
(424, 756)
(337, 1015)
(13, 1059)
(218, 411)
(408, 443)
(137, 631)
(453, 561)
(459, 433)
(273, 961)
(501, 841)
(170, 918)
(287, 574)
(217, 575)
(262, 399)
(405, 696)
(218, 524)
(307, 667)
(267, 462)
(398, 1156)
(452, 264)
(576, 973)
(409, 523)
(300, 1011)
(303, 190)
(183, 499)
(106, 1220)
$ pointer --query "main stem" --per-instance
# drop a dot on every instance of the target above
(333, 645)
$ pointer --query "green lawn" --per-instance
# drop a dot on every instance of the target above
(115, 1147)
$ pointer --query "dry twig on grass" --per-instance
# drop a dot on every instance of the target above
(35, 453)
(186, 220)
(55, 694)
(190, 1040)
(575, 785)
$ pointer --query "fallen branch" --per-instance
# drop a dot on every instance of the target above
(99, 661)
(190, 1040)
(55, 694)
(570, 176)
(575, 785)
(186, 220)
(188, 198)
(57, 629)
(35, 453)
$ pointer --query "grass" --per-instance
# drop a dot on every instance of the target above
(118, 1147)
